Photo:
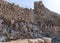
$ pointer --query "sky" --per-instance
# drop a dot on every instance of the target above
(53, 5)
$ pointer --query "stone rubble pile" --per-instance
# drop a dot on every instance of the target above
(19, 30)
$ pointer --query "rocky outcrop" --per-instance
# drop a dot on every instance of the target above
(48, 20)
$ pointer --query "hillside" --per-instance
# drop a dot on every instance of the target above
(23, 23)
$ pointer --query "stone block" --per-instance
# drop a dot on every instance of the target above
(47, 40)
(32, 41)
(18, 41)
(40, 40)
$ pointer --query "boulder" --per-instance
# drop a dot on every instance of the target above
(3, 38)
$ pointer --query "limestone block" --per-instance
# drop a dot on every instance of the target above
(32, 41)
(24, 41)
(18, 41)
(40, 40)
(47, 40)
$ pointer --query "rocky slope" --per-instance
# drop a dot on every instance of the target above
(25, 30)
(48, 20)
(21, 23)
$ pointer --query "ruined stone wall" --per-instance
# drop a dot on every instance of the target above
(10, 11)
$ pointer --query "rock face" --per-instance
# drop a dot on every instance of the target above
(21, 23)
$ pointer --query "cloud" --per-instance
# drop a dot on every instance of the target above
(57, 2)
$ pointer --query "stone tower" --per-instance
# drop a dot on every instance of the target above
(40, 11)
(38, 6)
